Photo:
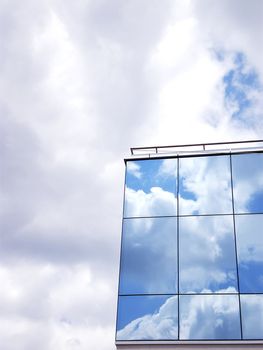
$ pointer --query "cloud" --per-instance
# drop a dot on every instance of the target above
(55, 301)
(239, 23)
(168, 168)
(248, 182)
(214, 270)
(210, 317)
(161, 324)
(207, 182)
(157, 202)
(201, 317)
(250, 247)
(134, 169)
(251, 306)
(149, 256)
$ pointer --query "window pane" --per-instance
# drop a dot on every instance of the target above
(207, 255)
(209, 317)
(249, 232)
(205, 185)
(147, 318)
(252, 316)
(151, 188)
(248, 182)
(149, 256)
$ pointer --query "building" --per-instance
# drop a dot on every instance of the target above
(191, 267)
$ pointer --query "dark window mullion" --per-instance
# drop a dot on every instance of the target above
(235, 244)
(178, 291)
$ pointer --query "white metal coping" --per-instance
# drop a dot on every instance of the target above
(190, 345)
(196, 149)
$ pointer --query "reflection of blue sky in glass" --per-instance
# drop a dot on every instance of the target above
(151, 187)
(248, 182)
(207, 258)
(149, 256)
(252, 316)
(207, 254)
(209, 317)
(145, 174)
(147, 318)
(205, 185)
(249, 232)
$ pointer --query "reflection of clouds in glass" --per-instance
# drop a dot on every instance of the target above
(248, 182)
(206, 183)
(252, 316)
(207, 253)
(149, 256)
(249, 229)
(157, 202)
(152, 173)
(151, 187)
(209, 316)
(249, 237)
(159, 324)
(168, 168)
(133, 168)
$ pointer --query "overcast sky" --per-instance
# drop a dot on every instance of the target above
(81, 82)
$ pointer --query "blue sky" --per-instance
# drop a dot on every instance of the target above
(81, 83)
(248, 198)
(240, 83)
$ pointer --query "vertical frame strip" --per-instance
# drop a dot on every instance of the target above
(235, 242)
(178, 275)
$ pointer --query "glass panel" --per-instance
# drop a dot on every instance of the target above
(151, 188)
(249, 233)
(149, 256)
(209, 317)
(147, 318)
(207, 255)
(248, 182)
(252, 316)
(205, 185)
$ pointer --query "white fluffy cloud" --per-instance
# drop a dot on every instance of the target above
(57, 303)
(208, 181)
(161, 324)
(201, 317)
(210, 317)
(134, 169)
(157, 202)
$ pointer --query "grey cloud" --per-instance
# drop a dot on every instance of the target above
(116, 39)
(51, 214)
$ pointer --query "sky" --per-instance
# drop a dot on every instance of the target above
(82, 82)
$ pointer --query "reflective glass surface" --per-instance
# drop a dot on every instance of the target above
(207, 255)
(147, 318)
(209, 317)
(198, 254)
(151, 188)
(149, 256)
(248, 182)
(249, 229)
(252, 316)
(205, 185)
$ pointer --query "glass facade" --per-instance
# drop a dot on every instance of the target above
(191, 264)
